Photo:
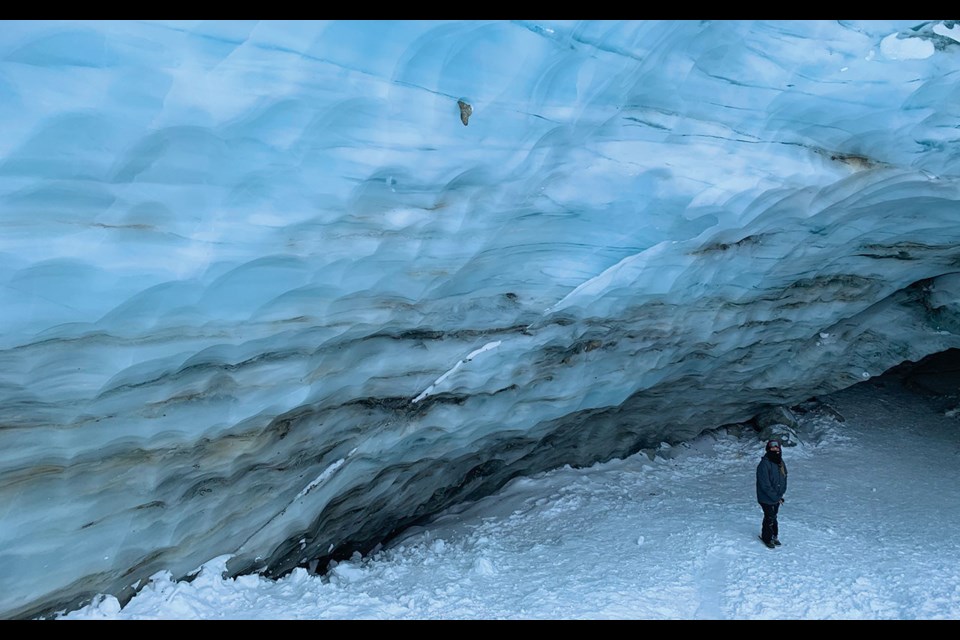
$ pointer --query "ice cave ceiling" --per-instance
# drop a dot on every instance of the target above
(278, 289)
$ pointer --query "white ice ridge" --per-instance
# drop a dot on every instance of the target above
(949, 32)
(895, 48)
(322, 477)
(429, 390)
(626, 273)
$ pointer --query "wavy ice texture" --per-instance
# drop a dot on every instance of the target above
(265, 296)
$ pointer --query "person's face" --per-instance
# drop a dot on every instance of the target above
(774, 448)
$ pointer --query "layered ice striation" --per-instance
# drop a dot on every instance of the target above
(279, 289)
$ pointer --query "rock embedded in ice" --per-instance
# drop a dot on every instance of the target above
(466, 110)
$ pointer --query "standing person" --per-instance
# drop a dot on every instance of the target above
(771, 485)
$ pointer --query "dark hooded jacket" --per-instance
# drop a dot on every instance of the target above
(771, 480)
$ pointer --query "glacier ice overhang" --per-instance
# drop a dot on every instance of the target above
(278, 289)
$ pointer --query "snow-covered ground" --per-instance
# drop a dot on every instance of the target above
(869, 531)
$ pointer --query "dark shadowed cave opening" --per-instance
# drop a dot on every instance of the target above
(938, 374)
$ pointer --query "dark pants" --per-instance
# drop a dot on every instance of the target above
(769, 527)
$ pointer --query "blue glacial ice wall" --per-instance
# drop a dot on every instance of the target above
(278, 289)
